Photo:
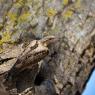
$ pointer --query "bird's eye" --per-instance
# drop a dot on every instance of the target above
(34, 45)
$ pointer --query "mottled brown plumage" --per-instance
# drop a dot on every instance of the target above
(29, 58)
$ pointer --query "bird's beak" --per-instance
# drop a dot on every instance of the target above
(48, 40)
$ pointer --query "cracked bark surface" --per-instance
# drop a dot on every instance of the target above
(67, 68)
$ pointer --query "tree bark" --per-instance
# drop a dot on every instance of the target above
(67, 68)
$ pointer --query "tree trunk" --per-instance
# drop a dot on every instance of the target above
(67, 68)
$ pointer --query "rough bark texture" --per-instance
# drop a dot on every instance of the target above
(66, 70)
